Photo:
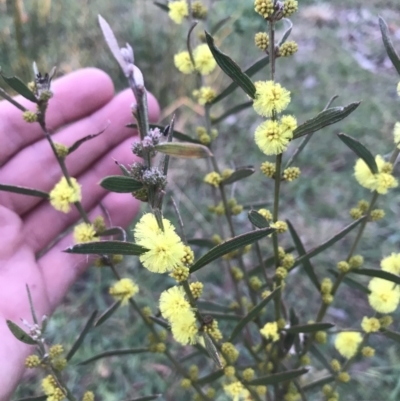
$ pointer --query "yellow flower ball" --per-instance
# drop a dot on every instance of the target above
(270, 97)
(347, 343)
(178, 10)
(270, 331)
(63, 194)
(124, 289)
(384, 296)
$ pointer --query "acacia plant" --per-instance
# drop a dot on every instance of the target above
(264, 350)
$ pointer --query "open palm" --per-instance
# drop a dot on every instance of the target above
(83, 104)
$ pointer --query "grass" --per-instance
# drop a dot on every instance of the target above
(340, 52)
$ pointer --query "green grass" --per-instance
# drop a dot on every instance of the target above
(327, 64)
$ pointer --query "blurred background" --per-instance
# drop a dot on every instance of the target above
(340, 53)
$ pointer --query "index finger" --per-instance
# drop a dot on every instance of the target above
(76, 95)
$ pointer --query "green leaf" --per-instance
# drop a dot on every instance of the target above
(223, 315)
(160, 322)
(287, 32)
(319, 383)
(327, 244)
(20, 88)
(309, 328)
(20, 334)
(308, 267)
(120, 184)
(115, 352)
(350, 282)
(229, 246)
(323, 119)
(107, 313)
(393, 335)
(203, 243)
(24, 191)
(163, 6)
(78, 342)
(321, 358)
(361, 151)
(252, 314)
(219, 25)
(211, 350)
(146, 398)
(257, 66)
(114, 231)
(107, 248)
(230, 68)
(186, 150)
(212, 306)
(378, 273)
(79, 142)
(292, 338)
(239, 174)
(257, 219)
(212, 377)
(233, 110)
(177, 134)
(37, 398)
(391, 52)
(277, 377)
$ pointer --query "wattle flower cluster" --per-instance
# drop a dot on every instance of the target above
(176, 309)
(165, 248)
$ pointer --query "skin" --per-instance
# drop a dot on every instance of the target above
(83, 103)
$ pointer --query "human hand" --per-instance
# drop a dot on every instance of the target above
(82, 104)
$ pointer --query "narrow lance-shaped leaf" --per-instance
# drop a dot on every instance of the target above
(162, 6)
(213, 306)
(321, 358)
(393, 335)
(239, 174)
(107, 313)
(107, 248)
(79, 142)
(20, 334)
(78, 342)
(115, 352)
(308, 267)
(391, 52)
(37, 398)
(24, 191)
(257, 66)
(323, 119)
(257, 219)
(201, 242)
(210, 378)
(319, 383)
(327, 244)
(185, 150)
(219, 25)
(252, 314)
(146, 398)
(224, 316)
(278, 377)
(113, 44)
(120, 184)
(350, 282)
(229, 246)
(230, 68)
(287, 33)
(233, 110)
(309, 328)
(20, 88)
(361, 151)
(378, 273)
